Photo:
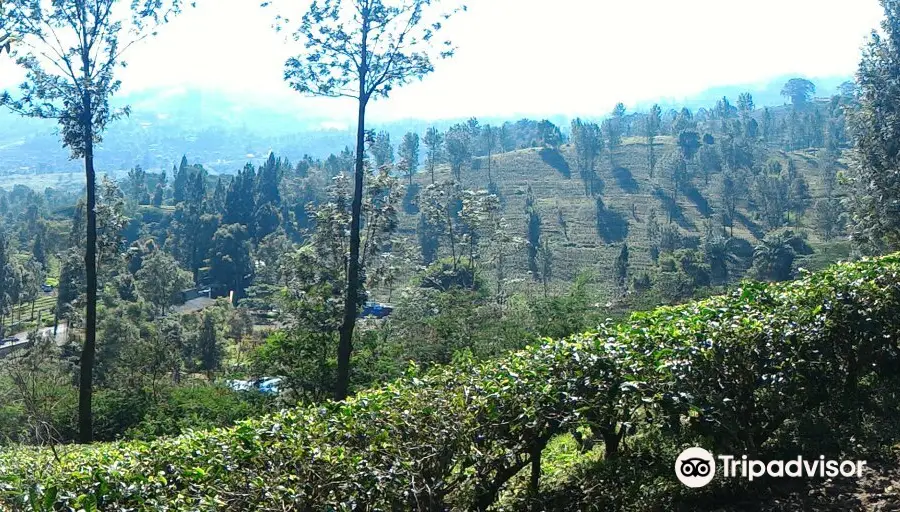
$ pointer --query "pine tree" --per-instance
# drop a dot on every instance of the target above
(434, 141)
(382, 149)
(409, 154)
(588, 142)
(875, 202)
(458, 143)
(182, 179)
(209, 345)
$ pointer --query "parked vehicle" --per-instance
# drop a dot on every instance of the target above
(270, 386)
(239, 385)
(265, 385)
(376, 310)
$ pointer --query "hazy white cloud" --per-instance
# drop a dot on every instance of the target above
(527, 56)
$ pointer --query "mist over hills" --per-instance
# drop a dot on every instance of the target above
(223, 131)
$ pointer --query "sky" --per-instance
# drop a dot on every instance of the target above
(525, 57)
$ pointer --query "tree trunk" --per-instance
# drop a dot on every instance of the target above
(85, 388)
(534, 485)
(611, 440)
(351, 300)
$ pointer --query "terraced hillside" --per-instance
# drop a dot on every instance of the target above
(628, 192)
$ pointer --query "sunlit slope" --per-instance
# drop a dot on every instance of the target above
(628, 193)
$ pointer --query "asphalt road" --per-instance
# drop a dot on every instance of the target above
(22, 337)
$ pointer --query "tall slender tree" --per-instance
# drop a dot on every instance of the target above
(745, 105)
(588, 141)
(434, 141)
(382, 149)
(363, 49)
(70, 52)
(458, 144)
(654, 121)
(490, 138)
(615, 128)
(409, 153)
(621, 267)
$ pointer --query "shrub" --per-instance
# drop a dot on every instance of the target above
(734, 373)
(446, 274)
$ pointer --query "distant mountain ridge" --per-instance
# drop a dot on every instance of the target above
(223, 131)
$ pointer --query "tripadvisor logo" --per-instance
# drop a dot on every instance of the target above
(696, 467)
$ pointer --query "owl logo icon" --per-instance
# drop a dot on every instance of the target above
(695, 467)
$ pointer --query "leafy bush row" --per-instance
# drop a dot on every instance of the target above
(738, 373)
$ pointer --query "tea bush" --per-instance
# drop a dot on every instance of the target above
(747, 372)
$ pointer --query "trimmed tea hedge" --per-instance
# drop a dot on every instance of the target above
(730, 372)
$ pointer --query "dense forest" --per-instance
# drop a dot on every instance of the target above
(514, 315)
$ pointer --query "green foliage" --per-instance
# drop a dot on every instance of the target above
(588, 141)
(305, 357)
(614, 126)
(55, 86)
(570, 313)
(435, 327)
(829, 217)
(160, 280)
(197, 406)
(382, 150)
(533, 230)
(447, 274)
(875, 216)
(773, 259)
(653, 125)
(550, 134)
(209, 344)
(434, 141)
(748, 372)
(621, 267)
(230, 262)
(458, 143)
(689, 143)
(409, 154)
(799, 91)
(429, 239)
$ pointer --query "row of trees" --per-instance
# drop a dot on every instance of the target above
(20, 283)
